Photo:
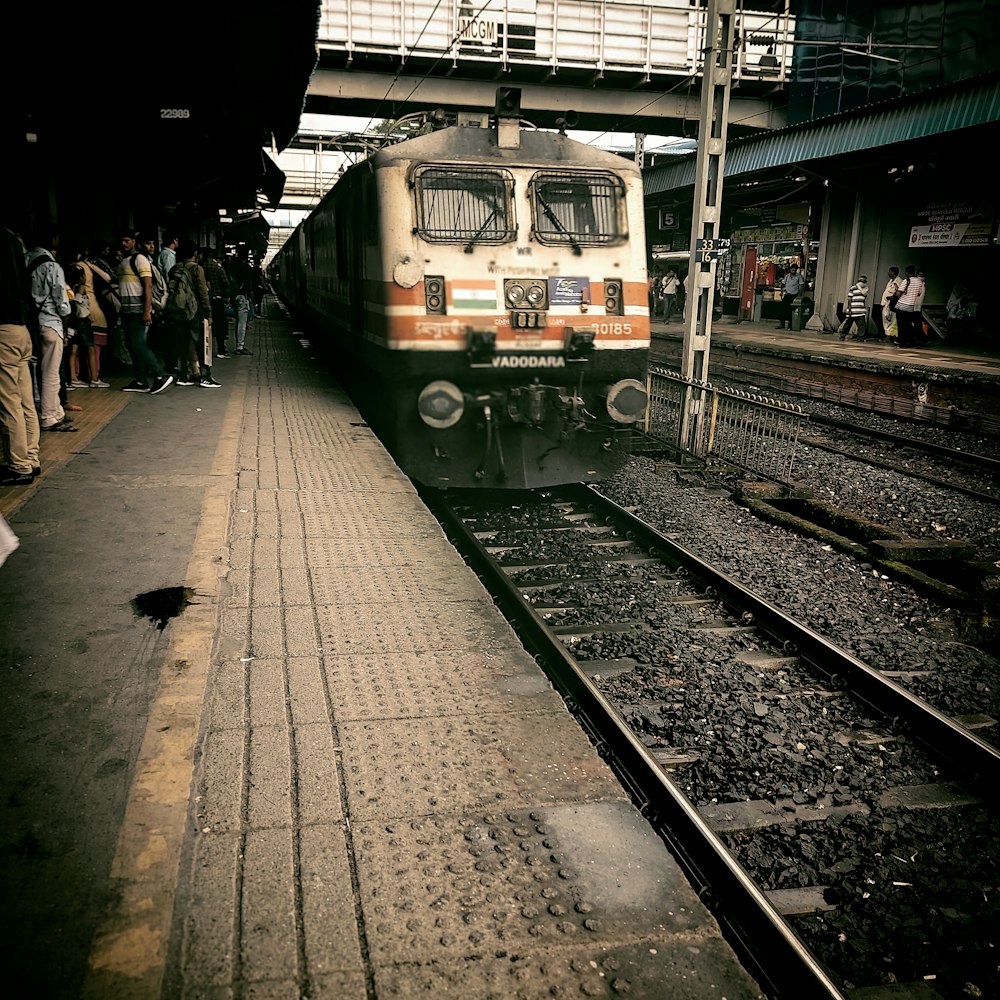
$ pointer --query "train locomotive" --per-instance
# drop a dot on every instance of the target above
(484, 288)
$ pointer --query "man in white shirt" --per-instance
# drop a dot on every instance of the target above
(168, 256)
(791, 289)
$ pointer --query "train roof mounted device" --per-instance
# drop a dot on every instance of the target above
(508, 114)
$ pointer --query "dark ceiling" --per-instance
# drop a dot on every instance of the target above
(121, 115)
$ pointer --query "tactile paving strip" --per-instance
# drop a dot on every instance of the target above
(457, 887)
(414, 685)
(329, 514)
(697, 969)
(407, 584)
(416, 766)
(385, 628)
(400, 551)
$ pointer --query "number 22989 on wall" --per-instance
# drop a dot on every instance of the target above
(175, 112)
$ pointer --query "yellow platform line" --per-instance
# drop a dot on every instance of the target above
(128, 958)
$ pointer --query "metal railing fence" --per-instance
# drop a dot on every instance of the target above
(749, 430)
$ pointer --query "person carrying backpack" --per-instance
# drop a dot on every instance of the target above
(135, 290)
(188, 311)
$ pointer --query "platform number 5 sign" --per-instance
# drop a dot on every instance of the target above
(668, 219)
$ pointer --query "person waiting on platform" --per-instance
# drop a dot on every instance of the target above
(883, 317)
(668, 294)
(960, 311)
(857, 311)
(18, 417)
(908, 315)
(791, 288)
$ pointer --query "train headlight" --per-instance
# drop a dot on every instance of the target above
(434, 295)
(626, 401)
(440, 404)
(614, 301)
(536, 295)
(514, 293)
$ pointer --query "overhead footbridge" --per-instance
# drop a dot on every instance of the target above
(619, 66)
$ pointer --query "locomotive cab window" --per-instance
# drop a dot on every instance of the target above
(578, 209)
(464, 205)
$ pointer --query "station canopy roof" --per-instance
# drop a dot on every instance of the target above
(158, 104)
(929, 116)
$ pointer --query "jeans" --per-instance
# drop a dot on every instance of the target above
(242, 320)
(145, 365)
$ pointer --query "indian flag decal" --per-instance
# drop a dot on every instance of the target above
(467, 297)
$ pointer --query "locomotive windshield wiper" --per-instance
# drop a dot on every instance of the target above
(482, 229)
(551, 216)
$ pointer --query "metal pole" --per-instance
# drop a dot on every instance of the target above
(716, 86)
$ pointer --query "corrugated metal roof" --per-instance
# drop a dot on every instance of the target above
(975, 102)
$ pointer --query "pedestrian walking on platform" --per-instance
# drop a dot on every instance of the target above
(242, 290)
(18, 418)
(791, 288)
(857, 310)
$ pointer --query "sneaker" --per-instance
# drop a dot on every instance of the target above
(243, 350)
(185, 381)
(222, 354)
(136, 385)
(209, 383)
(163, 382)
(72, 388)
(78, 384)
(99, 385)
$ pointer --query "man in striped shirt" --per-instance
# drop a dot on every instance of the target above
(135, 289)
(911, 299)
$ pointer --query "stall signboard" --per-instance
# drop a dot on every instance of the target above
(953, 224)
(772, 234)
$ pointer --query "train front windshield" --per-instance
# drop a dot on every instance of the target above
(459, 205)
(578, 209)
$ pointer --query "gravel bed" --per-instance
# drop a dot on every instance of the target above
(881, 621)
(913, 506)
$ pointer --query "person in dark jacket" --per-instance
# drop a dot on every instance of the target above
(18, 418)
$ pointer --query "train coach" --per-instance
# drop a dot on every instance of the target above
(484, 288)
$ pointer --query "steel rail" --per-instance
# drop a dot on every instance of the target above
(910, 473)
(978, 761)
(982, 462)
(763, 939)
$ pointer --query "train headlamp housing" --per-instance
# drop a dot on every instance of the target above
(514, 293)
(536, 295)
(614, 300)
(434, 297)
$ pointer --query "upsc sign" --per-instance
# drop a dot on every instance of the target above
(481, 29)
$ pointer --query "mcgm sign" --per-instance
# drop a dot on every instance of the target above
(481, 29)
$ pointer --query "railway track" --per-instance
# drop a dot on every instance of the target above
(974, 476)
(772, 762)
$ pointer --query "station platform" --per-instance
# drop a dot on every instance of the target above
(981, 360)
(266, 736)
(943, 381)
